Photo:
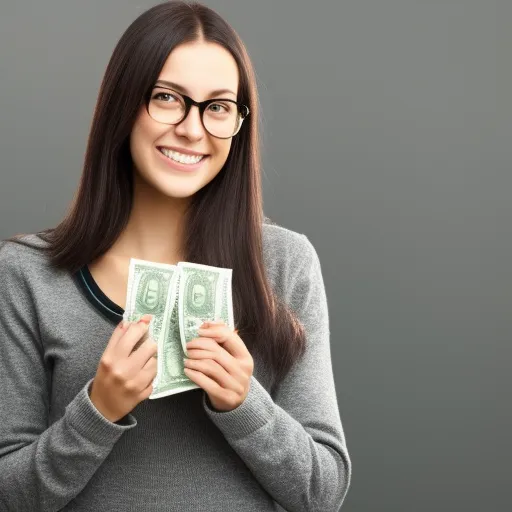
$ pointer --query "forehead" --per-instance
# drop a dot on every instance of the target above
(200, 68)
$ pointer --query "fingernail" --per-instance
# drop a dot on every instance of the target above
(146, 319)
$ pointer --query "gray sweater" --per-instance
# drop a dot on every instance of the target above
(279, 451)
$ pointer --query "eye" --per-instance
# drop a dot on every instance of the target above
(160, 94)
(226, 107)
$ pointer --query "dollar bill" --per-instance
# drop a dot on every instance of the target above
(204, 294)
(147, 291)
(180, 298)
(171, 378)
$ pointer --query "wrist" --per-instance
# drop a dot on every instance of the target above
(100, 407)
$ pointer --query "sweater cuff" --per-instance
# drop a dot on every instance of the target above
(83, 416)
(256, 410)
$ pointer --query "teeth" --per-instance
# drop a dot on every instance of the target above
(180, 157)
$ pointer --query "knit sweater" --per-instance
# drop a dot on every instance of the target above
(276, 451)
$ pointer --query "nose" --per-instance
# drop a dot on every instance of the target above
(191, 127)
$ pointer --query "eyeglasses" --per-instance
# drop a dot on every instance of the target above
(223, 120)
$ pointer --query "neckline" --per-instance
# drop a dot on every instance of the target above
(96, 297)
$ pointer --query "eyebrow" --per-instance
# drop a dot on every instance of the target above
(182, 89)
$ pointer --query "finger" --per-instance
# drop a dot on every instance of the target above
(204, 344)
(216, 372)
(130, 338)
(139, 357)
(120, 329)
(147, 392)
(145, 336)
(204, 382)
(211, 387)
(148, 373)
(206, 323)
(219, 355)
(227, 338)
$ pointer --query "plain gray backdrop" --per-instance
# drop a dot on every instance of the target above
(387, 141)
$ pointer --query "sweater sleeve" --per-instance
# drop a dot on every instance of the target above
(294, 444)
(42, 466)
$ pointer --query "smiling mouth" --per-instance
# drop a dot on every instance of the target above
(180, 157)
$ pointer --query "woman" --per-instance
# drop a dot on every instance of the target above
(262, 431)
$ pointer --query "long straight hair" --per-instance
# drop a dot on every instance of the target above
(224, 219)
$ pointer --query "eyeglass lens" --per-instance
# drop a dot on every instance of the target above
(221, 118)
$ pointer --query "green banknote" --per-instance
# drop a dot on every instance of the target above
(171, 377)
(181, 297)
(147, 291)
(204, 294)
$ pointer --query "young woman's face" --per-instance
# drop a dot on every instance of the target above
(198, 68)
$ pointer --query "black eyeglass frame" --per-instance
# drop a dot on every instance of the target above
(243, 110)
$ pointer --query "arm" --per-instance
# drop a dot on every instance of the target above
(42, 466)
(295, 444)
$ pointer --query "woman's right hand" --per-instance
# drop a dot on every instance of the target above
(124, 378)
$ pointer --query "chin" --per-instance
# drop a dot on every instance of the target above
(177, 192)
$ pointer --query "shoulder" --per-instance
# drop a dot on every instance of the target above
(285, 244)
(289, 255)
(21, 254)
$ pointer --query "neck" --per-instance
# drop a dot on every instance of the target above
(155, 228)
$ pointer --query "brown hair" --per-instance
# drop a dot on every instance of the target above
(224, 221)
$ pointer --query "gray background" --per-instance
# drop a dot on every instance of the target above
(387, 141)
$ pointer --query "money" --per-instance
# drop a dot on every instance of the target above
(180, 298)
(204, 294)
(171, 378)
(147, 290)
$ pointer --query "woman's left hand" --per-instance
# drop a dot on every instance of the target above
(220, 363)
